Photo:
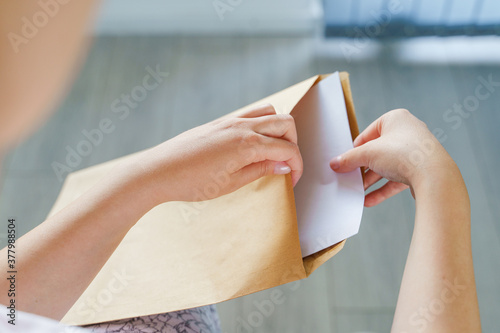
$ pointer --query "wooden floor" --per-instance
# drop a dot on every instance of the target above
(356, 291)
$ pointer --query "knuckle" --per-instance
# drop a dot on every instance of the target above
(296, 150)
(250, 138)
(232, 123)
(402, 111)
(408, 114)
(238, 123)
(284, 117)
(423, 124)
(284, 121)
(264, 169)
(343, 160)
(397, 113)
(268, 107)
(250, 146)
(297, 155)
(371, 153)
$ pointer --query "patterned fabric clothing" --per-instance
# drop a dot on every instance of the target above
(198, 320)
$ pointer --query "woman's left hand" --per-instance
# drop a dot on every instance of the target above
(221, 156)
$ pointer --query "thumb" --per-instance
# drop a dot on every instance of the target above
(351, 159)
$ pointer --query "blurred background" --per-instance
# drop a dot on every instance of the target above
(429, 56)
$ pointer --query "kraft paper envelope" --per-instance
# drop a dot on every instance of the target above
(183, 255)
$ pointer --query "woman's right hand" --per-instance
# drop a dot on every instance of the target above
(397, 146)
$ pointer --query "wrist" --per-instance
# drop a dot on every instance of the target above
(145, 176)
(436, 178)
(129, 185)
(437, 166)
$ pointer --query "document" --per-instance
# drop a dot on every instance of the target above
(329, 205)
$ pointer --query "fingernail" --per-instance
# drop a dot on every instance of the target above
(281, 168)
(267, 106)
(335, 162)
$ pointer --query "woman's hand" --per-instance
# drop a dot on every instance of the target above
(400, 148)
(397, 146)
(221, 156)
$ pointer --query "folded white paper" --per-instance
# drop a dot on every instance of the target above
(329, 205)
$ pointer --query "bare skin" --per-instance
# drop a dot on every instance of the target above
(438, 291)
(37, 66)
(61, 256)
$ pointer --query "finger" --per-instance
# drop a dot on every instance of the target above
(352, 159)
(370, 178)
(277, 126)
(257, 170)
(370, 133)
(275, 149)
(379, 195)
(259, 111)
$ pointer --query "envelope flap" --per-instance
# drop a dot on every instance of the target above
(313, 261)
(285, 100)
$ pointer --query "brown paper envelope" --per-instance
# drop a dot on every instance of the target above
(182, 255)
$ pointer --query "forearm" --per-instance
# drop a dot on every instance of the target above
(438, 292)
(57, 260)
